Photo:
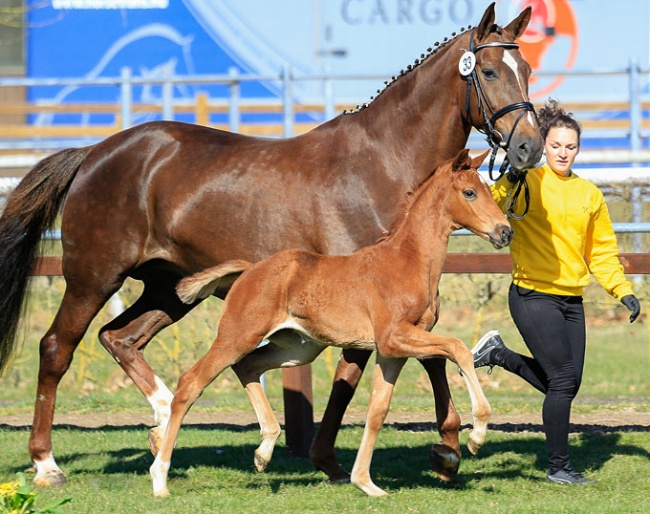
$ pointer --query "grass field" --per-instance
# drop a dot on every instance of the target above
(212, 472)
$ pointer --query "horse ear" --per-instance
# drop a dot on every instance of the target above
(461, 161)
(478, 160)
(519, 24)
(484, 26)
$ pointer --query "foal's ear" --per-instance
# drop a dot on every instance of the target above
(518, 26)
(461, 161)
(478, 160)
(484, 26)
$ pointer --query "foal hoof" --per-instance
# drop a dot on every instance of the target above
(444, 462)
(260, 462)
(154, 440)
(474, 446)
(51, 479)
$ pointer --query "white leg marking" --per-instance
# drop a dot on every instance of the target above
(158, 472)
(161, 403)
(45, 467)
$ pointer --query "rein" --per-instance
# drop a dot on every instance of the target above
(493, 136)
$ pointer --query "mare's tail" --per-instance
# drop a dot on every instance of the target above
(31, 209)
(206, 282)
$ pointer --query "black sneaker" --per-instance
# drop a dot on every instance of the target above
(484, 349)
(568, 477)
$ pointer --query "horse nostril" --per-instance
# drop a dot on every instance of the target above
(506, 234)
(523, 151)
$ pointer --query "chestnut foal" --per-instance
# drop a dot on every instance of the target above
(383, 297)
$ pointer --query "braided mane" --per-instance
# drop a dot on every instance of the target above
(423, 57)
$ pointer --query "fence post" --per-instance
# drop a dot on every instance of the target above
(167, 98)
(635, 106)
(636, 197)
(233, 111)
(298, 409)
(126, 97)
(287, 88)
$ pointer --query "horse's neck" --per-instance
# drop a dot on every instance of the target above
(418, 116)
(423, 233)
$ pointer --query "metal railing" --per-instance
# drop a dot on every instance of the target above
(231, 104)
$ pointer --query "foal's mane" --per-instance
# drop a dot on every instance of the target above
(411, 198)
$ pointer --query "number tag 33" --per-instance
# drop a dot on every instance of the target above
(467, 63)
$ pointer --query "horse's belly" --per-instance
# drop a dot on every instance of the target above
(294, 333)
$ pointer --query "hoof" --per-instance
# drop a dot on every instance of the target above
(473, 446)
(444, 462)
(51, 479)
(154, 440)
(260, 463)
(341, 477)
(335, 473)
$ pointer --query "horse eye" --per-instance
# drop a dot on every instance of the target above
(469, 194)
(490, 74)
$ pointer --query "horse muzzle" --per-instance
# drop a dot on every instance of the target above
(525, 152)
(501, 236)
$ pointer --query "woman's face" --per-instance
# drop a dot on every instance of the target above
(561, 147)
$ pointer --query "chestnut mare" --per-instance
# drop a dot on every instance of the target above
(163, 200)
(383, 297)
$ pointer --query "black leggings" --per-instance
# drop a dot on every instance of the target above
(553, 328)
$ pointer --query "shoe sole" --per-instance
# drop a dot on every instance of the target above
(562, 481)
(481, 342)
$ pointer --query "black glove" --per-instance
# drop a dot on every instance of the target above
(631, 302)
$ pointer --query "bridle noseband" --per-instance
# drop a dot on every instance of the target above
(493, 136)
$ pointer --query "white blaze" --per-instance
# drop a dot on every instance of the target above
(510, 61)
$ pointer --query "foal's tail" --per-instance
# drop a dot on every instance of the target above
(204, 283)
(31, 209)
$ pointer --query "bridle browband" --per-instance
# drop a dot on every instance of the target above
(493, 136)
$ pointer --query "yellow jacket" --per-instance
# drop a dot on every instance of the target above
(566, 234)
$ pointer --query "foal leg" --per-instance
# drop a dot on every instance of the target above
(191, 384)
(383, 382)
(126, 337)
(250, 369)
(445, 457)
(409, 341)
(348, 374)
(56, 350)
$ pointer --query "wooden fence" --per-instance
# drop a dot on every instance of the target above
(596, 117)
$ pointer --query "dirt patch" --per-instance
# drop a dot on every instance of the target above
(607, 421)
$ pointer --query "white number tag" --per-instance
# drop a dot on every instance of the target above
(467, 63)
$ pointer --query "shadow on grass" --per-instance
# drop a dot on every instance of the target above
(393, 468)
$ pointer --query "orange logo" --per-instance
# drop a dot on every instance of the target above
(551, 34)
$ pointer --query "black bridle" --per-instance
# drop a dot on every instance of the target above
(493, 136)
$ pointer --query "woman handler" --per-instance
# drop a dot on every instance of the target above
(565, 235)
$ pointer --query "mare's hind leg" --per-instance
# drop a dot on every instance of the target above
(127, 336)
(445, 456)
(250, 369)
(322, 453)
(56, 349)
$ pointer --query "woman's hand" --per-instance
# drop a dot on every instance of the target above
(631, 302)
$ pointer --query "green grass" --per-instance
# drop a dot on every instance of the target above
(212, 471)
